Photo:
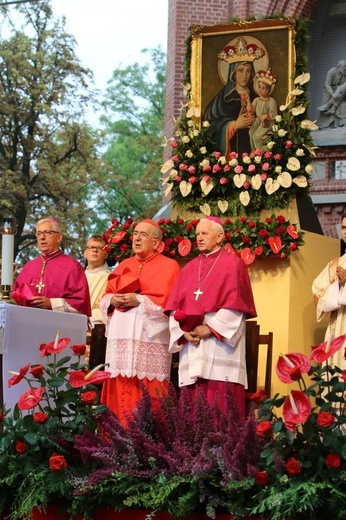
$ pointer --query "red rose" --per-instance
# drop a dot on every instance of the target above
(263, 233)
(124, 248)
(280, 219)
(293, 467)
(325, 419)
(259, 396)
(88, 397)
(332, 461)
(258, 250)
(20, 447)
(40, 417)
(57, 462)
(2, 417)
(37, 371)
(79, 350)
(264, 428)
(261, 478)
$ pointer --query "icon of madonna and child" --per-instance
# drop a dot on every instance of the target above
(243, 112)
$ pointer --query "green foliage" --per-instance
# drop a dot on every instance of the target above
(48, 156)
(134, 124)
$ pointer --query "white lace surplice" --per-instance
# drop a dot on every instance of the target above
(137, 340)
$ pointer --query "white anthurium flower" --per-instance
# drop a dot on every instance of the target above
(205, 209)
(275, 128)
(206, 124)
(185, 139)
(233, 163)
(256, 181)
(300, 152)
(301, 181)
(193, 112)
(206, 187)
(203, 150)
(239, 179)
(309, 125)
(244, 198)
(189, 154)
(167, 166)
(271, 185)
(168, 189)
(278, 169)
(293, 164)
(246, 159)
(186, 89)
(282, 132)
(205, 162)
(296, 92)
(309, 169)
(285, 179)
(185, 188)
(296, 111)
(302, 79)
(222, 205)
(311, 149)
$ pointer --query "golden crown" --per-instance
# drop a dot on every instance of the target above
(267, 76)
(241, 51)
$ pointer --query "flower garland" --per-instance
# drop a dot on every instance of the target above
(268, 178)
(246, 237)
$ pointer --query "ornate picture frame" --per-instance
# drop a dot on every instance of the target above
(275, 38)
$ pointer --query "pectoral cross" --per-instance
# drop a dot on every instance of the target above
(198, 293)
(39, 286)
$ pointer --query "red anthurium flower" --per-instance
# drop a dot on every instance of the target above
(54, 347)
(229, 248)
(296, 409)
(291, 230)
(326, 349)
(118, 237)
(37, 370)
(79, 378)
(275, 244)
(30, 398)
(18, 376)
(247, 255)
(290, 367)
(184, 247)
(79, 350)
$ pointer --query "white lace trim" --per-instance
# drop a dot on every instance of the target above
(138, 358)
(152, 316)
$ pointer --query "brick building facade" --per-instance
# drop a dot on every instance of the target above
(327, 190)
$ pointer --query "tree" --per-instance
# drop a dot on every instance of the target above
(134, 123)
(48, 155)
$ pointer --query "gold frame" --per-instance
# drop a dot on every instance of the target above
(207, 41)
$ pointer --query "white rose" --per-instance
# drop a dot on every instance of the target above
(282, 132)
(205, 162)
(275, 128)
(270, 145)
(246, 160)
(206, 124)
(189, 154)
(300, 152)
(278, 169)
(309, 169)
(190, 123)
(185, 139)
(233, 163)
(222, 160)
(278, 118)
(173, 173)
(195, 133)
(203, 150)
(257, 159)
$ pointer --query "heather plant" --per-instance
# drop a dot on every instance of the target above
(178, 457)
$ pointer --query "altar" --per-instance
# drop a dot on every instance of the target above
(22, 330)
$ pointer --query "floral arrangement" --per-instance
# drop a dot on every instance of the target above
(269, 178)
(302, 473)
(246, 237)
(38, 459)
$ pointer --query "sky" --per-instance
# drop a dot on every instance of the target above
(112, 33)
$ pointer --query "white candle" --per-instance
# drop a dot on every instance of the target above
(7, 259)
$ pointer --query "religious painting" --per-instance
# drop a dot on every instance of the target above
(241, 73)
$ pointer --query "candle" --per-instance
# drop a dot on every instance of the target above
(7, 259)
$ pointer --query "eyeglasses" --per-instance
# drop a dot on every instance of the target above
(46, 233)
(94, 248)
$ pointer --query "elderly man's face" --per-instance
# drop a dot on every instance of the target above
(208, 238)
(143, 242)
(48, 240)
